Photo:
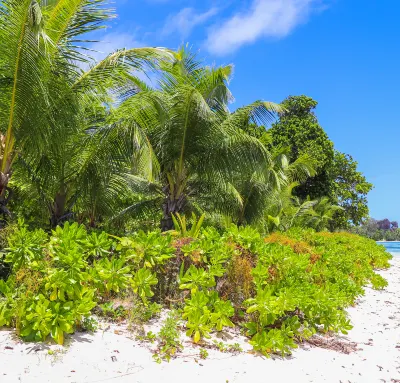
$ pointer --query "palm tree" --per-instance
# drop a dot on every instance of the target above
(24, 66)
(290, 212)
(47, 100)
(269, 190)
(281, 208)
(322, 214)
(198, 146)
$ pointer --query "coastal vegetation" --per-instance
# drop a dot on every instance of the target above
(154, 193)
(279, 289)
(379, 230)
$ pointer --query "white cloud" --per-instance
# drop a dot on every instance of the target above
(265, 18)
(185, 20)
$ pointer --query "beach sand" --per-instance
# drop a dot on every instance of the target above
(113, 355)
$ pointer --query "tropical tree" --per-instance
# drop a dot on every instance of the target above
(349, 189)
(270, 190)
(336, 176)
(283, 208)
(322, 215)
(92, 140)
(24, 68)
(299, 130)
(49, 106)
(198, 146)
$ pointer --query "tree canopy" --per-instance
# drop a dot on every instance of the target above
(336, 176)
(104, 147)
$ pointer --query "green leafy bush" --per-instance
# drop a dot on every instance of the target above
(147, 250)
(111, 274)
(25, 247)
(50, 293)
(142, 282)
(281, 289)
(168, 338)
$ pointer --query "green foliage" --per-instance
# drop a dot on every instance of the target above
(204, 311)
(149, 337)
(196, 143)
(196, 278)
(141, 313)
(223, 310)
(111, 274)
(281, 289)
(298, 129)
(53, 284)
(303, 281)
(246, 237)
(5, 235)
(98, 245)
(89, 324)
(147, 250)
(168, 338)
(112, 311)
(53, 160)
(106, 149)
(336, 178)
(6, 232)
(142, 282)
(349, 190)
(181, 225)
(223, 347)
(25, 247)
(274, 341)
(203, 353)
(56, 281)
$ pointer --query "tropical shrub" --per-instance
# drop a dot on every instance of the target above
(280, 289)
(47, 294)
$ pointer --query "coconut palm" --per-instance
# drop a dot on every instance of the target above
(291, 212)
(321, 215)
(46, 99)
(281, 208)
(198, 145)
(270, 189)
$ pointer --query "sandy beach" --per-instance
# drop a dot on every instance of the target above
(113, 355)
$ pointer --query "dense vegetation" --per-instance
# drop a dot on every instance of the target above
(336, 176)
(94, 162)
(280, 289)
(105, 148)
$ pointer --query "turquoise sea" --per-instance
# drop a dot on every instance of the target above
(392, 247)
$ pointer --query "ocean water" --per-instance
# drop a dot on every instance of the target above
(392, 247)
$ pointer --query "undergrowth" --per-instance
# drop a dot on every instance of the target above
(280, 289)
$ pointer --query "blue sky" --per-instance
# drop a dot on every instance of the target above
(343, 53)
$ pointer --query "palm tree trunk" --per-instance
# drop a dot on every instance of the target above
(169, 207)
(58, 208)
(5, 194)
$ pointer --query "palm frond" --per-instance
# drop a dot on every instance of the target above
(115, 70)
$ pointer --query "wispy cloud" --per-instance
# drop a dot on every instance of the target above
(186, 20)
(264, 18)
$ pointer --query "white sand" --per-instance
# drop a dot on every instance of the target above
(88, 358)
